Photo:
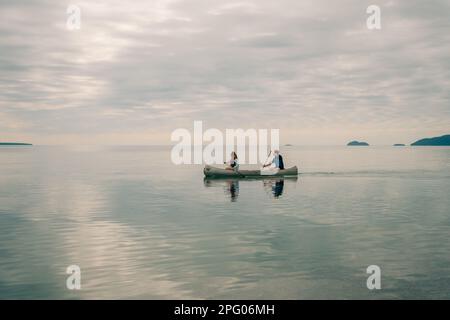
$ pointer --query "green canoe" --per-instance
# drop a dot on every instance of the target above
(213, 172)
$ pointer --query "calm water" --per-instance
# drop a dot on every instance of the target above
(140, 227)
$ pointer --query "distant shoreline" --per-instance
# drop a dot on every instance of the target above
(15, 144)
(436, 141)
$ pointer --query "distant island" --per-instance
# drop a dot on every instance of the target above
(288, 145)
(399, 145)
(14, 144)
(436, 141)
(357, 143)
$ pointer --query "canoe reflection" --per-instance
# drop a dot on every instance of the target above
(273, 186)
(230, 186)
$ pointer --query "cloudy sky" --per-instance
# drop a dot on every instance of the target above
(137, 70)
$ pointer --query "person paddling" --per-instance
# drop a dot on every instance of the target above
(277, 161)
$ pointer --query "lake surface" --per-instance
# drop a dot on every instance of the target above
(140, 227)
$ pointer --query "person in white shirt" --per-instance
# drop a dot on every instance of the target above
(277, 161)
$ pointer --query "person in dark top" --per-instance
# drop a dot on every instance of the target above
(234, 162)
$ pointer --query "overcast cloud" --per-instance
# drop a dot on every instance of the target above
(139, 69)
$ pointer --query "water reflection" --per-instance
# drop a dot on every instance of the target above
(273, 186)
(233, 189)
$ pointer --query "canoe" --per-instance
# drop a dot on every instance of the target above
(213, 172)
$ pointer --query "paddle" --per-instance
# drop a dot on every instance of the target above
(270, 152)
